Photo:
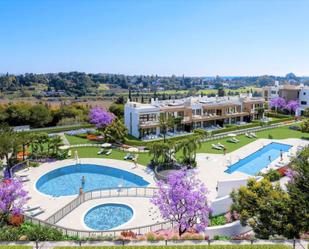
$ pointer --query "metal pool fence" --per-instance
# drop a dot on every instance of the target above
(97, 194)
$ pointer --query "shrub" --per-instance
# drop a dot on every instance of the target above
(272, 175)
(218, 220)
(36, 232)
(151, 236)
(221, 237)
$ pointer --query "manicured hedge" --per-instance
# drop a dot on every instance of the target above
(62, 129)
(184, 247)
(276, 115)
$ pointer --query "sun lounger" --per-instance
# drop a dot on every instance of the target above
(248, 135)
(29, 208)
(108, 152)
(214, 146)
(252, 135)
(128, 157)
(100, 152)
(235, 140)
(69, 153)
(24, 178)
(221, 145)
(231, 140)
(35, 212)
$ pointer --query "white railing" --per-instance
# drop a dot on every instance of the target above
(97, 194)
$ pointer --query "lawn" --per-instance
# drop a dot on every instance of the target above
(144, 158)
(78, 140)
(184, 247)
(90, 152)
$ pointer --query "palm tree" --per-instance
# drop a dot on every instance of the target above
(8, 145)
(24, 139)
(162, 153)
(115, 132)
(165, 122)
(189, 147)
(55, 143)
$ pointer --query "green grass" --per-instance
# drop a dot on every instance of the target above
(144, 158)
(78, 140)
(92, 152)
(183, 247)
(16, 247)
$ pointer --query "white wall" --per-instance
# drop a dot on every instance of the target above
(225, 187)
(303, 100)
(221, 205)
(230, 229)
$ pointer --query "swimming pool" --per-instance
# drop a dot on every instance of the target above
(260, 159)
(108, 216)
(68, 180)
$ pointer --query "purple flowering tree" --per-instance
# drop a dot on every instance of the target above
(277, 103)
(292, 106)
(101, 117)
(12, 198)
(183, 199)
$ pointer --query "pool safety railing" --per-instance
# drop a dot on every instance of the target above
(146, 192)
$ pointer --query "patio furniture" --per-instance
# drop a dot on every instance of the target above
(217, 147)
(253, 134)
(248, 135)
(221, 145)
(35, 212)
(108, 152)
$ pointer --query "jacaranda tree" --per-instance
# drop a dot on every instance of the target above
(277, 103)
(101, 117)
(292, 106)
(183, 199)
(12, 198)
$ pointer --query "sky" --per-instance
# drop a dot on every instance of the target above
(164, 37)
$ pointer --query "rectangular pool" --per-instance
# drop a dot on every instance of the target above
(260, 159)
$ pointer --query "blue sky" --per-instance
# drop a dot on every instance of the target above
(164, 37)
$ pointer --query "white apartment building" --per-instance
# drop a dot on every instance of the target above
(303, 100)
(194, 112)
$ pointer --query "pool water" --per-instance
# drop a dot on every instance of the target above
(260, 159)
(68, 180)
(108, 216)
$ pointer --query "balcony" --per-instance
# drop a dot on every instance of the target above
(151, 123)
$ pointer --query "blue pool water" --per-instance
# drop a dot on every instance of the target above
(253, 163)
(108, 216)
(67, 180)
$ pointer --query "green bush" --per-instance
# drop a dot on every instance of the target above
(222, 237)
(218, 220)
(276, 115)
(272, 175)
(30, 232)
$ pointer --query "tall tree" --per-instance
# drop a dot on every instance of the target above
(262, 206)
(183, 199)
(8, 145)
(165, 122)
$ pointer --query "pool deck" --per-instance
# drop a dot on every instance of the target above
(52, 204)
(210, 167)
(140, 206)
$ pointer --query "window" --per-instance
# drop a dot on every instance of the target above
(303, 102)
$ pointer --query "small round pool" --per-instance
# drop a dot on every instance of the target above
(108, 216)
(68, 180)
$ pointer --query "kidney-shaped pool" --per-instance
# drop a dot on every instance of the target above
(68, 180)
